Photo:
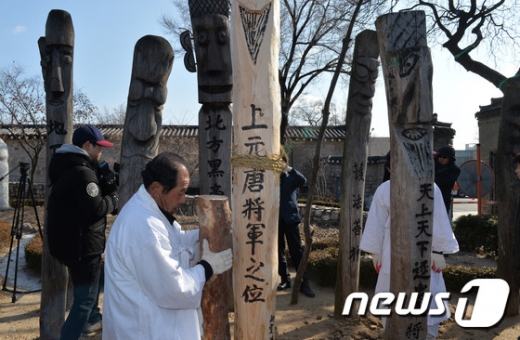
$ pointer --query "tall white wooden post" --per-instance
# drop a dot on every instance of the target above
(256, 148)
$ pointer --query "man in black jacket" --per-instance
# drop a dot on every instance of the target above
(446, 174)
(288, 228)
(79, 201)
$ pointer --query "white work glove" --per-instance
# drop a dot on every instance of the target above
(219, 262)
(438, 262)
(376, 260)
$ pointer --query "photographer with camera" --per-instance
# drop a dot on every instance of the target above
(82, 194)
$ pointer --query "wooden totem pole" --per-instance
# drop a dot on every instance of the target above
(508, 191)
(56, 51)
(152, 65)
(210, 23)
(359, 117)
(256, 165)
(407, 70)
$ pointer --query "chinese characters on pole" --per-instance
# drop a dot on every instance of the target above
(407, 69)
(256, 158)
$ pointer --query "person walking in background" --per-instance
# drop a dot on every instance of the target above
(288, 229)
(376, 240)
(153, 276)
(446, 174)
(78, 204)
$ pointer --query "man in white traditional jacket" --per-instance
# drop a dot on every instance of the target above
(376, 240)
(153, 283)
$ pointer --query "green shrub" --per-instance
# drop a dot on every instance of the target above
(324, 243)
(477, 233)
(321, 202)
(323, 264)
(456, 277)
(39, 202)
(33, 254)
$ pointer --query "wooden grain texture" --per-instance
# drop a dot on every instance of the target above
(256, 121)
(354, 163)
(407, 70)
(508, 194)
(215, 226)
(56, 50)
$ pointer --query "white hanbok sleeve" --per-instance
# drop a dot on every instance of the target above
(378, 216)
(443, 238)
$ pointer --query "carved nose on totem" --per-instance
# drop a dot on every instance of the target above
(56, 82)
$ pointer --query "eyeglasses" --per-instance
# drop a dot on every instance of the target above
(442, 156)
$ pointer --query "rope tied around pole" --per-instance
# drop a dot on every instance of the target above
(272, 162)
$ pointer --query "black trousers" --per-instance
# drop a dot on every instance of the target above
(291, 233)
(85, 279)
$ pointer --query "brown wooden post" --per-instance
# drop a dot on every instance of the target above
(215, 226)
(407, 69)
(508, 194)
(256, 183)
(56, 51)
(152, 65)
(354, 162)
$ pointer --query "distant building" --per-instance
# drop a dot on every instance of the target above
(300, 147)
(488, 126)
(469, 153)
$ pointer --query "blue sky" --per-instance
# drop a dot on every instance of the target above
(105, 36)
(106, 33)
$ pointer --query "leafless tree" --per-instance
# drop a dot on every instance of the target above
(111, 116)
(344, 47)
(23, 110)
(465, 26)
(308, 111)
(310, 36)
(184, 147)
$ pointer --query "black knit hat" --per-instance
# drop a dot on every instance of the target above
(447, 151)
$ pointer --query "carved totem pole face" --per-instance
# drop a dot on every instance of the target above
(56, 51)
(210, 23)
(364, 77)
(153, 61)
(211, 35)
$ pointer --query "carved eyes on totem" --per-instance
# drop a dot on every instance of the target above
(203, 37)
(408, 62)
(64, 55)
(141, 90)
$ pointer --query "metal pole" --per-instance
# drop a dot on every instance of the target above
(479, 181)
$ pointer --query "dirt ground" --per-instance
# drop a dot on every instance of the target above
(309, 319)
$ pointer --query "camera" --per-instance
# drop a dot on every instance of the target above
(24, 168)
(108, 179)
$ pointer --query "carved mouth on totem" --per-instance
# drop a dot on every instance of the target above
(216, 89)
(56, 102)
